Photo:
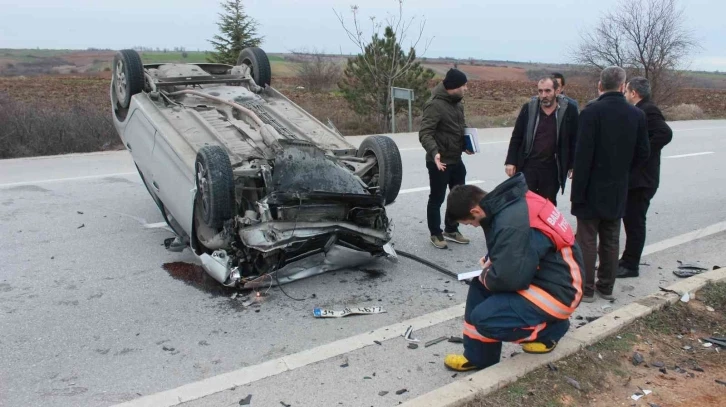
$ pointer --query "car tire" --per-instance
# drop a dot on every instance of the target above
(215, 185)
(258, 61)
(128, 76)
(389, 169)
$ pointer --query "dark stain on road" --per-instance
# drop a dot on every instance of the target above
(195, 276)
(117, 180)
(28, 188)
(6, 288)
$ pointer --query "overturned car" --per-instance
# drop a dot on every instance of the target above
(260, 190)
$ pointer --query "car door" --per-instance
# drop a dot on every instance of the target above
(139, 136)
(174, 182)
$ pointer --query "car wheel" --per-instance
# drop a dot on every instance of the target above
(388, 171)
(128, 76)
(215, 185)
(258, 62)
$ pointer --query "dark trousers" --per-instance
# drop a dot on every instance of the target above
(453, 175)
(588, 231)
(503, 317)
(634, 222)
(542, 180)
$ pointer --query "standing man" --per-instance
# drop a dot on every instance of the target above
(644, 180)
(561, 89)
(543, 141)
(442, 136)
(532, 276)
(612, 140)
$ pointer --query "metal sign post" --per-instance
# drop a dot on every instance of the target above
(405, 94)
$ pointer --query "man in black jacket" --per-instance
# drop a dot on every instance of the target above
(532, 276)
(543, 141)
(612, 140)
(644, 180)
(442, 136)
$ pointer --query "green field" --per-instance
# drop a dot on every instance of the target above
(164, 57)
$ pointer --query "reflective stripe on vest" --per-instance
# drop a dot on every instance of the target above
(471, 332)
(547, 303)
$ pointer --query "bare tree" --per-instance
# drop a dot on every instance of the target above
(647, 38)
(316, 70)
(383, 60)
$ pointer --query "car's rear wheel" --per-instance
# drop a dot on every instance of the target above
(387, 174)
(259, 64)
(215, 185)
(128, 76)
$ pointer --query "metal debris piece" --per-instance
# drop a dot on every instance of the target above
(653, 405)
(409, 335)
(606, 306)
(435, 341)
(367, 378)
(82, 226)
(552, 367)
(698, 369)
(325, 313)
(663, 370)
(707, 345)
(687, 347)
(246, 401)
(401, 392)
(686, 297)
(234, 295)
(383, 393)
(590, 319)
(456, 339)
(721, 382)
(285, 404)
(658, 364)
(515, 353)
(717, 341)
(686, 273)
(80, 213)
(412, 346)
(574, 383)
(690, 266)
(637, 359)
(378, 343)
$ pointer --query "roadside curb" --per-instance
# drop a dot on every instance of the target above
(504, 373)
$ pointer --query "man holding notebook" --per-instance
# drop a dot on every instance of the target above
(442, 136)
(542, 146)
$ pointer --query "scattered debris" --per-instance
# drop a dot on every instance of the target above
(285, 404)
(325, 313)
(716, 267)
(590, 319)
(686, 297)
(637, 396)
(456, 339)
(717, 341)
(574, 383)
(401, 392)
(710, 309)
(412, 346)
(378, 343)
(637, 359)
(687, 347)
(579, 318)
(653, 405)
(409, 335)
(690, 266)
(627, 288)
(345, 364)
(667, 290)
(606, 307)
(234, 295)
(454, 375)
(663, 370)
(435, 341)
(515, 353)
(707, 345)
(383, 393)
(698, 369)
(82, 226)
(721, 382)
(80, 213)
(367, 378)
(246, 401)
(552, 367)
(168, 349)
(658, 364)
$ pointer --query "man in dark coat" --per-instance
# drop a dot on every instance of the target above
(644, 180)
(612, 140)
(442, 136)
(543, 141)
(531, 279)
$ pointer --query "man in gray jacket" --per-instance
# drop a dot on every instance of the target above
(442, 136)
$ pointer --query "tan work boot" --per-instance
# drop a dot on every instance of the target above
(456, 237)
(439, 242)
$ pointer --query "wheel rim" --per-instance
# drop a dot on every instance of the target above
(247, 62)
(372, 176)
(120, 80)
(202, 184)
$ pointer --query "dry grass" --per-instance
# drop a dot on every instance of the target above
(684, 112)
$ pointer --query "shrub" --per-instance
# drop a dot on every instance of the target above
(684, 111)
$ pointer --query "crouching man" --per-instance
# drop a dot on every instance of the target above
(532, 277)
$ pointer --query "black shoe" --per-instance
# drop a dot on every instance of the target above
(624, 272)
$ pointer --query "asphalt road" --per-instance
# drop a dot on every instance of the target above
(88, 315)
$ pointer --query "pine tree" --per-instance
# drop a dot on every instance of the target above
(368, 78)
(237, 32)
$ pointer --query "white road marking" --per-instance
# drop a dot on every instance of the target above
(158, 225)
(250, 374)
(421, 189)
(45, 181)
(691, 155)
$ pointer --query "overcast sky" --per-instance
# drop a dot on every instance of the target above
(520, 30)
